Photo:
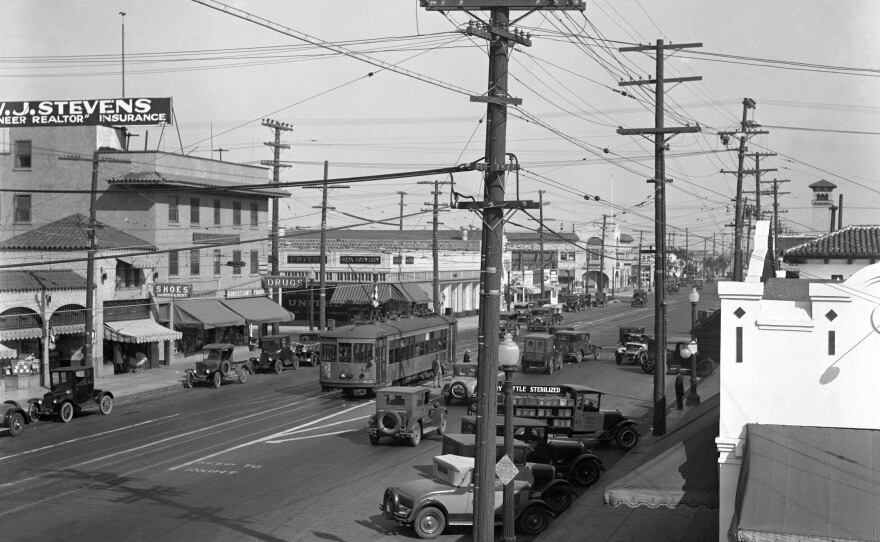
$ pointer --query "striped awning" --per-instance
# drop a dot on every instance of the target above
(361, 294)
(21, 333)
(138, 262)
(68, 329)
(412, 292)
(139, 331)
(8, 353)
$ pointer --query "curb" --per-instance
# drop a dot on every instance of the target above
(161, 390)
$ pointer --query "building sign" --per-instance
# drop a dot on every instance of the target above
(162, 289)
(245, 292)
(213, 238)
(369, 260)
(534, 390)
(398, 260)
(128, 111)
(305, 259)
(410, 259)
(284, 282)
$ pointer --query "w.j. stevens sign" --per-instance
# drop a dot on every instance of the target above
(128, 111)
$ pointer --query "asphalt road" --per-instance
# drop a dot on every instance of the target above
(273, 459)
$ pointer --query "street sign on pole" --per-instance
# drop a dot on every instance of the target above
(506, 470)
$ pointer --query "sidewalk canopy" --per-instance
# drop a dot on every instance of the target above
(68, 329)
(20, 333)
(681, 468)
(8, 353)
(361, 294)
(258, 310)
(139, 331)
(205, 314)
(412, 292)
(808, 484)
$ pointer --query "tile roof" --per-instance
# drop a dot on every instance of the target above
(25, 281)
(549, 237)
(850, 242)
(823, 184)
(71, 233)
(381, 240)
(158, 178)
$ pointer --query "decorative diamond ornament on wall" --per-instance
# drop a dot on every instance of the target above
(831, 315)
(739, 312)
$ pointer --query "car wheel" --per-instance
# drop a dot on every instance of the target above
(217, 379)
(705, 368)
(416, 437)
(442, 429)
(316, 359)
(243, 374)
(429, 523)
(578, 356)
(225, 367)
(596, 351)
(533, 520)
(295, 363)
(16, 424)
(516, 331)
(66, 411)
(374, 439)
(627, 438)
(34, 412)
(188, 380)
(550, 367)
(458, 391)
(558, 498)
(279, 367)
(106, 405)
(585, 473)
(642, 359)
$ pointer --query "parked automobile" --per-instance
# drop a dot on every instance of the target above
(540, 354)
(405, 413)
(462, 385)
(673, 288)
(447, 498)
(544, 317)
(14, 417)
(218, 364)
(508, 322)
(524, 309)
(634, 345)
(556, 492)
(308, 349)
(639, 298)
(71, 390)
(276, 353)
(575, 345)
(600, 300)
(575, 302)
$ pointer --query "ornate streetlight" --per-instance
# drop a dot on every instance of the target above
(508, 358)
(693, 398)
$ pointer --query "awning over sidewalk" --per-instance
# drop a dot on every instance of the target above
(361, 294)
(68, 329)
(139, 331)
(8, 353)
(20, 333)
(412, 292)
(529, 289)
(808, 484)
(205, 314)
(138, 262)
(258, 310)
(681, 468)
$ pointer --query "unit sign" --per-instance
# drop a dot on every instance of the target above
(126, 111)
(305, 259)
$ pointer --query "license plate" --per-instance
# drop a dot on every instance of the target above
(360, 392)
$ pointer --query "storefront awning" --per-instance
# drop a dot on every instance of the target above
(258, 310)
(681, 468)
(20, 333)
(361, 294)
(412, 292)
(528, 288)
(139, 331)
(8, 353)
(808, 484)
(68, 329)
(138, 262)
(205, 314)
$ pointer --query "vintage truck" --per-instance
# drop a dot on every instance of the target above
(539, 353)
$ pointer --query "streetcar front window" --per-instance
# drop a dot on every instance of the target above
(344, 352)
(363, 353)
(328, 352)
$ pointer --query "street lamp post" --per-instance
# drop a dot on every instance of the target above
(693, 398)
(508, 358)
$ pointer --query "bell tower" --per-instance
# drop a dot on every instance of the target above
(822, 203)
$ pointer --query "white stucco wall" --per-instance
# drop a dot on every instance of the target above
(787, 375)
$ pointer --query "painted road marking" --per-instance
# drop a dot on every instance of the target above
(315, 428)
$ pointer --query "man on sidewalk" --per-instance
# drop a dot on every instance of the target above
(679, 391)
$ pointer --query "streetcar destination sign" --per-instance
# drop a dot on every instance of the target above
(127, 111)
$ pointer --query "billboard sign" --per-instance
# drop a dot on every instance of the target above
(125, 111)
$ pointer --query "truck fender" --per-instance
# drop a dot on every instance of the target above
(621, 425)
(536, 502)
(553, 483)
(589, 457)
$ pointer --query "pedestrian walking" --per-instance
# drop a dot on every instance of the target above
(467, 356)
(437, 367)
(679, 391)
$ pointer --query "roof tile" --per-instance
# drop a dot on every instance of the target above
(850, 242)
(71, 233)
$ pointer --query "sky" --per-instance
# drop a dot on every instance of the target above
(812, 67)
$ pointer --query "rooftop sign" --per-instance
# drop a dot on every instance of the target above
(126, 111)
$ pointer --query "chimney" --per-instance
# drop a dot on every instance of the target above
(840, 212)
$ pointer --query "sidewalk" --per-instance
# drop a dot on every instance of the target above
(590, 519)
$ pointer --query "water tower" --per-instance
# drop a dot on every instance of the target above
(822, 203)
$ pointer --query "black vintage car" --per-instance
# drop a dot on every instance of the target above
(276, 353)
(639, 299)
(72, 389)
(218, 364)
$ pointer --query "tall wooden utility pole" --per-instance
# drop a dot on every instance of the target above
(540, 265)
(402, 205)
(276, 164)
(601, 286)
(776, 193)
(659, 131)
(501, 39)
(640, 260)
(434, 244)
(757, 156)
(92, 232)
(322, 269)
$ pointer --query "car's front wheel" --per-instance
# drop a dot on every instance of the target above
(243, 374)
(627, 438)
(16, 424)
(416, 437)
(65, 413)
(441, 429)
(279, 367)
(188, 380)
(316, 359)
(558, 498)
(429, 523)
(578, 356)
(34, 412)
(585, 473)
(106, 405)
(533, 520)
(218, 379)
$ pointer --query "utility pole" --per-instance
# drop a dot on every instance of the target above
(123, 57)
(687, 246)
(322, 269)
(276, 164)
(640, 260)
(434, 248)
(92, 231)
(776, 193)
(222, 150)
(758, 171)
(747, 129)
(601, 286)
(402, 205)
(659, 132)
(501, 40)
(541, 237)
